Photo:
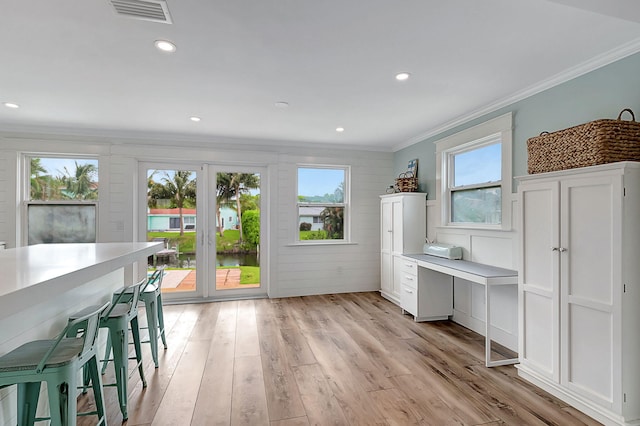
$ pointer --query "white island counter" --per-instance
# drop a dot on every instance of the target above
(35, 274)
(41, 285)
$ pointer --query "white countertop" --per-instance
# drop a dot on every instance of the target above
(37, 272)
(471, 271)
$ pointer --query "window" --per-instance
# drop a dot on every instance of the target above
(476, 176)
(60, 199)
(322, 203)
(475, 183)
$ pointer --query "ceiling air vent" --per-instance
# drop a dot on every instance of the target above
(147, 10)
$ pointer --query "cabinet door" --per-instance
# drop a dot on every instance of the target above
(386, 230)
(590, 283)
(398, 227)
(539, 278)
(386, 273)
(386, 245)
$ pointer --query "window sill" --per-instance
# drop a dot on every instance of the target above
(473, 228)
(321, 243)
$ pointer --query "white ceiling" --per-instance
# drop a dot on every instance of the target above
(76, 66)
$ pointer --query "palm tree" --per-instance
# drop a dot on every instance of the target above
(180, 189)
(224, 194)
(80, 185)
(38, 180)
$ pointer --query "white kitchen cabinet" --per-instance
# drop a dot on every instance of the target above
(403, 218)
(579, 289)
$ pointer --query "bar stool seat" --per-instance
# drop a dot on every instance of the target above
(117, 319)
(56, 362)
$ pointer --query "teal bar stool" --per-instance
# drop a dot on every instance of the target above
(117, 319)
(151, 296)
(56, 362)
(124, 313)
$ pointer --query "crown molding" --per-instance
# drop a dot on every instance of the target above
(593, 64)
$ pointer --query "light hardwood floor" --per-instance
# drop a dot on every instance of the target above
(345, 359)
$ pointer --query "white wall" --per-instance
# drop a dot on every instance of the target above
(293, 269)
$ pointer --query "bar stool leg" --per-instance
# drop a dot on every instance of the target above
(107, 353)
(62, 406)
(151, 308)
(91, 371)
(161, 320)
(29, 393)
(120, 363)
(135, 330)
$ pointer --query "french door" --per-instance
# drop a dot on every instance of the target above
(209, 219)
(236, 227)
(169, 199)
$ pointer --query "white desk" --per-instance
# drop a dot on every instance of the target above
(486, 275)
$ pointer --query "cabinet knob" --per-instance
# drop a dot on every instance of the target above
(554, 248)
(562, 249)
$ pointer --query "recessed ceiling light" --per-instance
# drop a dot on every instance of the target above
(402, 76)
(165, 46)
(339, 129)
(194, 118)
(11, 105)
(281, 104)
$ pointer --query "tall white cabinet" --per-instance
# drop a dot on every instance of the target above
(579, 288)
(403, 231)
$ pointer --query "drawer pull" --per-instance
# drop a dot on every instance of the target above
(409, 278)
(409, 265)
(408, 291)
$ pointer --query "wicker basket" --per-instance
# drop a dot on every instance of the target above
(407, 182)
(589, 144)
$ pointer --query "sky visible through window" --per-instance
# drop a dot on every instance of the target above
(318, 182)
(479, 165)
(56, 166)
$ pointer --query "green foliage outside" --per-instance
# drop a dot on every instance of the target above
(186, 243)
(251, 225)
(305, 226)
(313, 235)
(227, 241)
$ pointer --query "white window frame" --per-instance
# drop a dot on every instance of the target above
(490, 132)
(345, 205)
(26, 192)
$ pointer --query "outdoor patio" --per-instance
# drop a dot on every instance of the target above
(176, 280)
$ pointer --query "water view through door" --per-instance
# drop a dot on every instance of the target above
(237, 232)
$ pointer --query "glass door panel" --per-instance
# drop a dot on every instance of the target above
(173, 218)
(236, 228)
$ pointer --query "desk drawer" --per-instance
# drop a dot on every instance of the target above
(409, 300)
(409, 267)
(408, 280)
